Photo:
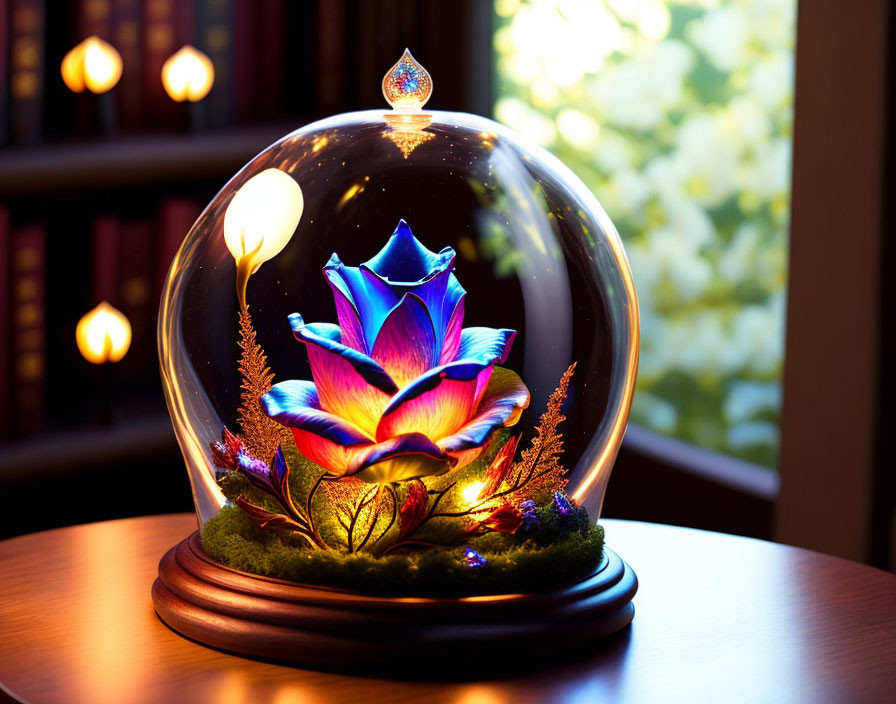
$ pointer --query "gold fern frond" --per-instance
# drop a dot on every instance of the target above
(260, 434)
(539, 469)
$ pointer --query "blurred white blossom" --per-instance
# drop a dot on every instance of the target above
(725, 35)
(678, 114)
(637, 92)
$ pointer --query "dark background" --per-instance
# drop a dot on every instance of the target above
(103, 447)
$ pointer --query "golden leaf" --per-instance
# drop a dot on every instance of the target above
(539, 469)
(260, 434)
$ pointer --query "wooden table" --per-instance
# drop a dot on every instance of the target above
(718, 619)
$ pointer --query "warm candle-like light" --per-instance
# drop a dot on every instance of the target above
(188, 74)
(471, 493)
(93, 65)
(103, 335)
(407, 85)
(259, 222)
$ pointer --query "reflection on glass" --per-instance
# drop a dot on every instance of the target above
(678, 115)
(439, 351)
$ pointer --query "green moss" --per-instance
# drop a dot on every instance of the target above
(556, 549)
(555, 557)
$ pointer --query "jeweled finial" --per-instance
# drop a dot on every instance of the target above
(407, 85)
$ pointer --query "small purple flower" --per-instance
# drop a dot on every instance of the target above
(251, 466)
(473, 558)
(562, 505)
(272, 479)
(531, 521)
(256, 471)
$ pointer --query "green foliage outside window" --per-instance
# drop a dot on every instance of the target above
(678, 115)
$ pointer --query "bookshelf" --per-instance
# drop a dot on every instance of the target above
(135, 160)
(63, 170)
(46, 455)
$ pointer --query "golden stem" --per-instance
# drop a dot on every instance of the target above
(244, 268)
(246, 265)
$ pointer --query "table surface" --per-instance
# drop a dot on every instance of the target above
(718, 619)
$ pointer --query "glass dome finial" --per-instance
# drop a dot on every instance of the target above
(407, 85)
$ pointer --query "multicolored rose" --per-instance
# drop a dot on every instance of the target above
(399, 389)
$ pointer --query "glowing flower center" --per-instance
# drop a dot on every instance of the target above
(471, 493)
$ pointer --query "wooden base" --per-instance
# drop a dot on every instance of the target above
(334, 629)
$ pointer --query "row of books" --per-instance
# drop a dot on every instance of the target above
(245, 39)
(128, 259)
(272, 58)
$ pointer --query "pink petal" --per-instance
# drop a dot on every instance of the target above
(331, 456)
(349, 384)
(435, 404)
(406, 344)
(349, 322)
(502, 404)
(452, 333)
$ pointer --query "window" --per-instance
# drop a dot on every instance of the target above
(678, 115)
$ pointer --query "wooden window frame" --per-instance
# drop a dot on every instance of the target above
(836, 487)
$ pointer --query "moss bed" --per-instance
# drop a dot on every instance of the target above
(560, 556)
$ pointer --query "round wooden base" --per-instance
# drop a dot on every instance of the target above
(334, 629)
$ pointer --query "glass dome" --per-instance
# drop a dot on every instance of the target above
(399, 335)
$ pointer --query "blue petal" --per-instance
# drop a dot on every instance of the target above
(371, 297)
(441, 295)
(405, 260)
(295, 404)
(407, 345)
(453, 294)
(279, 467)
(326, 336)
(485, 344)
(328, 331)
(402, 266)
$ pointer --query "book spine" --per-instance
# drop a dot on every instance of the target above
(159, 43)
(26, 70)
(5, 331)
(95, 19)
(27, 337)
(185, 24)
(175, 220)
(271, 64)
(214, 22)
(330, 59)
(104, 237)
(248, 47)
(136, 283)
(4, 70)
(127, 39)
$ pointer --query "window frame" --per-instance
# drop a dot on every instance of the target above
(831, 492)
(836, 495)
